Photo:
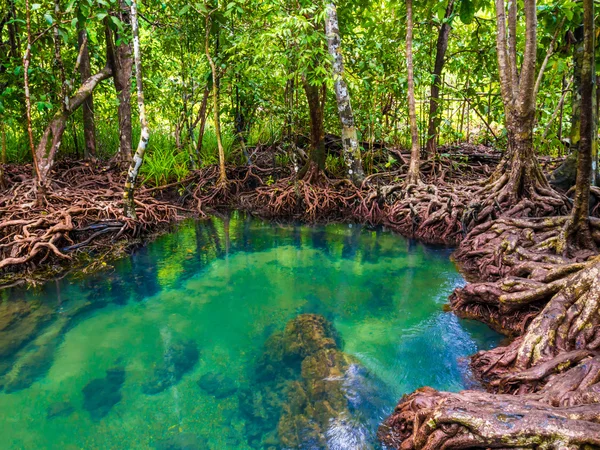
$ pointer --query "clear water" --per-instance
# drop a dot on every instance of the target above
(216, 290)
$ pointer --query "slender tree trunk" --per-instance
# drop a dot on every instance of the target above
(440, 59)
(413, 176)
(122, 62)
(316, 157)
(89, 126)
(577, 230)
(26, 62)
(215, 98)
(352, 154)
(565, 175)
(138, 159)
(202, 118)
(52, 137)
(3, 155)
(58, 61)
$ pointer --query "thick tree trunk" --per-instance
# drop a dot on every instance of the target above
(138, 159)
(518, 186)
(89, 126)
(440, 59)
(413, 176)
(316, 157)
(352, 154)
(215, 98)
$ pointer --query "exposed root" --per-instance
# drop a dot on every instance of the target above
(428, 419)
(430, 213)
(77, 214)
(302, 200)
(566, 330)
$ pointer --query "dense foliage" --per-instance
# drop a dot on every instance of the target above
(263, 51)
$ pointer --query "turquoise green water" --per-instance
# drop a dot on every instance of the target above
(199, 305)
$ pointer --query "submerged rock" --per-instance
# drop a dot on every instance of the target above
(182, 441)
(60, 409)
(36, 358)
(179, 359)
(305, 394)
(217, 385)
(101, 394)
(20, 323)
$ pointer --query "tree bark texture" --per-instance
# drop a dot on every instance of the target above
(434, 99)
(89, 125)
(138, 159)
(350, 143)
(215, 99)
(413, 176)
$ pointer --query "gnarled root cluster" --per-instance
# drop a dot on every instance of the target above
(323, 200)
(433, 214)
(550, 304)
(74, 215)
(566, 330)
(428, 419)
(518, 189)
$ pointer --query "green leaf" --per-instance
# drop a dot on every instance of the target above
(467, 11)
(36, 6)
(102, 15)
(49, 18)
(184, 10)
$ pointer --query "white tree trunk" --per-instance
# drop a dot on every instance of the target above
(138, 159)
(414, 170)
(349, 137)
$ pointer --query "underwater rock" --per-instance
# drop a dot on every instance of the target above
(60, 409)
(179, 359)
(101, 394)
(217, 385)
(36, 358)
(182, 441)
(20, 323)
(302, 397)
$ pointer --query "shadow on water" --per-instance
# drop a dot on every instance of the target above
(233, 333)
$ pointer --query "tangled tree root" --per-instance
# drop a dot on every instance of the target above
(428, 419)
(433, 214)
(75, 215)
(303, 200)
(523, 247)
(565, 331)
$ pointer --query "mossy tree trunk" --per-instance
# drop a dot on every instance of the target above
(577, 231)
(565, 175)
